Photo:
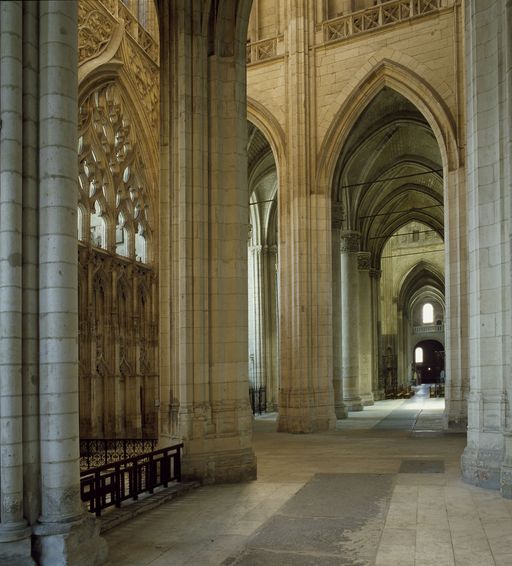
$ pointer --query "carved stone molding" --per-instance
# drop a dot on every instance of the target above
(375, 273)
(146, 76)
(95, 30)
(364, 261)
(113, 186)
(349, 241)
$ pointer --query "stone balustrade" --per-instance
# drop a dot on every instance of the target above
(385, 14)
(428, 328)
(262, 50)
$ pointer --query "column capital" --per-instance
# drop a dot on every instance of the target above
(364, 261)
(257, 249)
(349, 241)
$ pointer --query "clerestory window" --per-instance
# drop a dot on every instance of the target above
(428, 314)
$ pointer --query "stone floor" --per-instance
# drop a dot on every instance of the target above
(383, 489)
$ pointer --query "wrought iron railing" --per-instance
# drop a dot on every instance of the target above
(109, 485)
(96, 452)
(384, 14)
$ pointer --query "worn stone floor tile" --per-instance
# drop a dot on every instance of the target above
(397, 538)
(243, 527)
(396, 557)
(425, 519)
(503, 559)
(401, 515)
(429, 537)
(466, 557)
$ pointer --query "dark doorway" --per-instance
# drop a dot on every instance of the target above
(431, 368)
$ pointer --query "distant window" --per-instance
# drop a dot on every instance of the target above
(418, 355)
(428, 314)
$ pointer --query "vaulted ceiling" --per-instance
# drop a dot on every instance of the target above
(389, 172)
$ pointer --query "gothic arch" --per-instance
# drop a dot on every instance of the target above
(409, 84)
(105, 75)
(265, 121)
(407, 284)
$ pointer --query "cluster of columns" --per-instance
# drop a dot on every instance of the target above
(203, 249)
(40, 509)
(487, 459)
(354, 308)
(263, 354)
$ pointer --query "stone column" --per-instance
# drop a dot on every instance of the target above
(377, 388)
(305, 294)
(349, 247)
(257, 342)
(365, 329)
(262, 342)
(506, 81)
(337, 380)
(203, 220)
(456, 313)
(271, 307)
(31, 455)
(63, 532)
(488, 164)
(456, 272)
(14, 534)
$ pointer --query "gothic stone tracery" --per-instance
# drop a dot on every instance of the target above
(117, 277)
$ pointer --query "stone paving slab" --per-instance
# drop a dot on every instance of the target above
(333, 519)
(261, 557)
(421, 467)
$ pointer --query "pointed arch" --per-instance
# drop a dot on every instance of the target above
(227, 26)
(114, 72)
(265, 121)
(424, 270)
(409, 84)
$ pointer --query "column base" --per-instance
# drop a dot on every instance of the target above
(16, 545)
(367, 399)
(306, 410)
(229, 466)
(379, 395)
(482, 467)
(353, 404)
(306, 420)
(451, 424)
(506, 467)
(506, 481)
(77, 543)
(341, 411)
(456, 413)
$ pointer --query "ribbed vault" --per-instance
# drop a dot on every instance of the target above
(389, 172)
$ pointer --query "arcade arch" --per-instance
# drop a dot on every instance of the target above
(262, 272)
(388, 195)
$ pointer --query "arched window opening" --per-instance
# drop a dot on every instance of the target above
(121, 236)
(262, 282)
(80, 223)
(428, 314)
(418, 355)
(140, 245)
(97, 227)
